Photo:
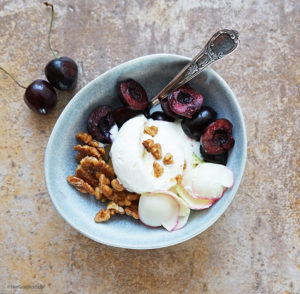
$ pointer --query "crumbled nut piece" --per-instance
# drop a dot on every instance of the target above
(99, 195)
(132, 211)
(178, 179)
(87, 139)
(168, 159)
(116, 185)
(102, 216)
(86, 150)
(103, 180)
(94, 176)
(148, 144)
(87, 176)
(184, 166)
(120, 198)
(156, 151)
(96, 165)
(132, 196)
(111, 209)
(80, 185)
(114, 206)
(106, 190)
(152, 131)
(158, 169)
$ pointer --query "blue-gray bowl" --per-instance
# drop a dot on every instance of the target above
(153, 72)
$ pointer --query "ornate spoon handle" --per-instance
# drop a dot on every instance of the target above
(221, 44)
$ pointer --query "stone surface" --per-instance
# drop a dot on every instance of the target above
(254, 247)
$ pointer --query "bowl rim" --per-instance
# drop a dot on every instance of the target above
(91, 84)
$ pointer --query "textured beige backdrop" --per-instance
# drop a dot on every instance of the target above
(254, 247)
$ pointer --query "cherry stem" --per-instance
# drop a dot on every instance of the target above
(12, 77)
(50, 29)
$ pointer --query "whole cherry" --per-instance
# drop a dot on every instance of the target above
(39, 96)
(194, 127)
(61, 72)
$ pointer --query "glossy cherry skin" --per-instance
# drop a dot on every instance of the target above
(166, 109)
(194, 127)
(159, 115)
(40, 97)
(123, 114)
(100, 122)
(214, 158)
(217, 137)
(62, 73)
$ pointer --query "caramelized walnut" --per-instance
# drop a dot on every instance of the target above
(168, 159)
(102, 216)
(148, 144)
(156, 151)
(87, 139)
(158, 169)
(152, 131)
(132, 211)
(80, 185)
(116, 185)
(86, 150)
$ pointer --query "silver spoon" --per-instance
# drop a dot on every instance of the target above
(220, 44)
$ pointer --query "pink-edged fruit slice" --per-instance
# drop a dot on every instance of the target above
(193, 203)
(159, 209)
(184, 211)
(208, 181)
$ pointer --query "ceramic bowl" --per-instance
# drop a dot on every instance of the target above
(153, 72)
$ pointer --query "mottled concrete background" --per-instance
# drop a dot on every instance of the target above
(254, 247)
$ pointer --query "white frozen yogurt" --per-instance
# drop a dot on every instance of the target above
(133, 165)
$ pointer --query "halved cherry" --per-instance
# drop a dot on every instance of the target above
(185, 101)
(100, 122)
(217, 137)
(133, 95)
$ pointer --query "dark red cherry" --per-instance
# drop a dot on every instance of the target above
(123, 114)
(100, 122)
(194, 127)
(217, 137)
(159, 115)
(62, 73)
(214, 158)
(133, 95)
(185, 101)
(40, 96)
(166, 109)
